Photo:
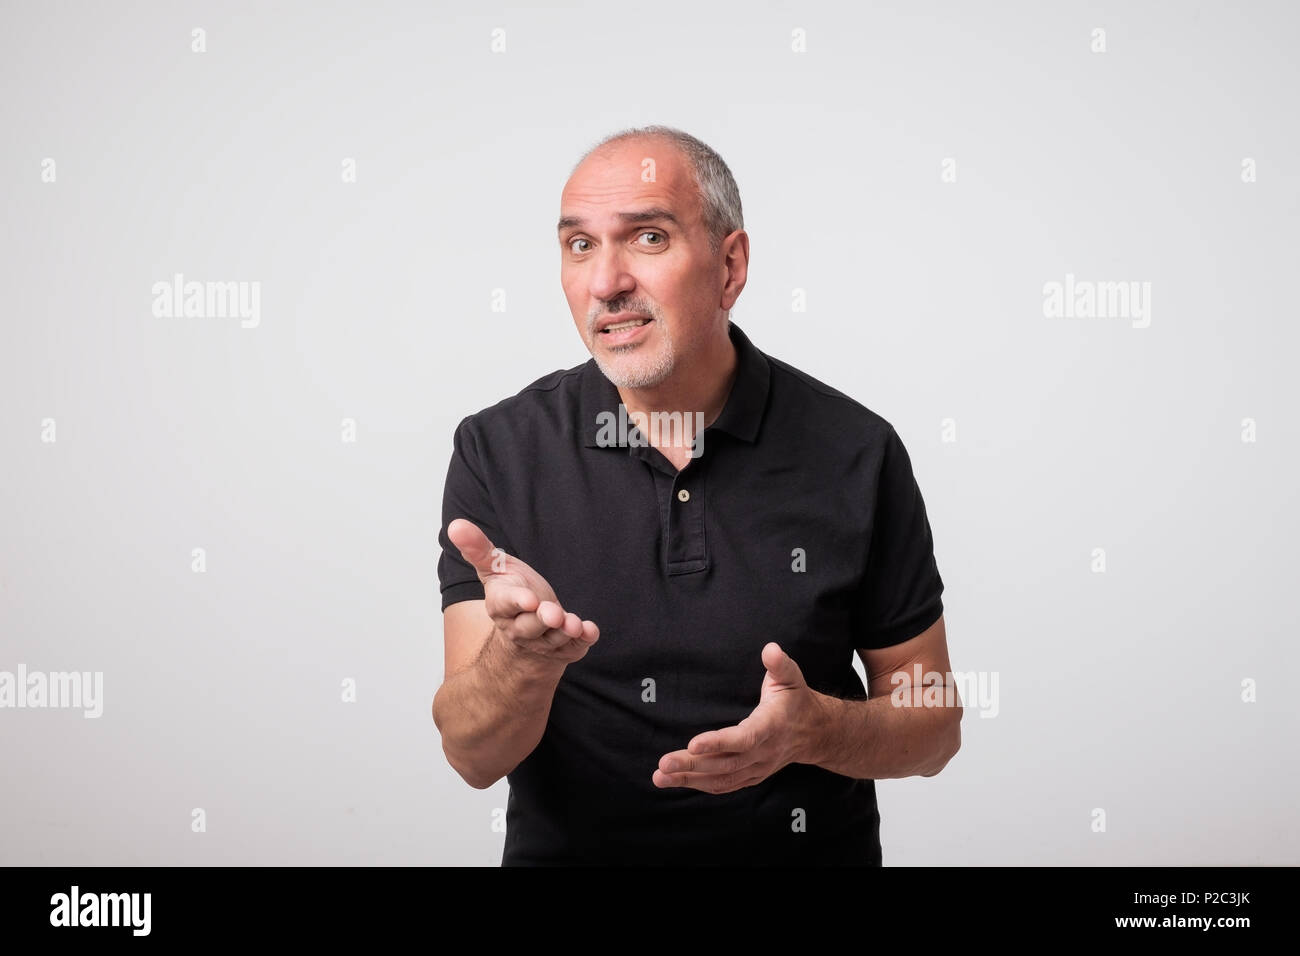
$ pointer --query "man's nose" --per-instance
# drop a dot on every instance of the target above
(609, 277)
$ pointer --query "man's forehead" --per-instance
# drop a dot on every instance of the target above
(616, 178)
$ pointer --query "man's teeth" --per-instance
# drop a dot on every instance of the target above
(629, 324)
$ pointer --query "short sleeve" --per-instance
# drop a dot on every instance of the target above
(902, 587)
(465, 495)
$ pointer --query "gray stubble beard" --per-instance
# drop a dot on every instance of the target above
(648, 373)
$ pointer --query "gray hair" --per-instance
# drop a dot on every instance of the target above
(719, 196)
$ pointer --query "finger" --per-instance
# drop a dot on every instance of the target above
(574, 631)
(709, 782)
(744, 736)
(781, 667)
(575, 650)
(551, 614)
(473, 544)
(571, 647)
(683, 761)
(572, 625)
(549, 640)
(509, 602)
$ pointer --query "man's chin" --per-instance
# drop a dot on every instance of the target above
(632, 375)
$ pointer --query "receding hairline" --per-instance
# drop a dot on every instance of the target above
(608, 146)
(649, 213)
(716, 194)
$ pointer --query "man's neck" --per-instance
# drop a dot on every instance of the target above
(701, 382)
(694, 397)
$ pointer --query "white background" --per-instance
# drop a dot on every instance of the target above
(1120, 691)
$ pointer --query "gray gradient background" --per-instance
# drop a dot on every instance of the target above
(1118, 690)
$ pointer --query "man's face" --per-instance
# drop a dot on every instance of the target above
(632, 250)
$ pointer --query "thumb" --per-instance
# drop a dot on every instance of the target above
(781, 668)
(474, 546)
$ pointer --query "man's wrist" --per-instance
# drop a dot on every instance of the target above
(822, 728)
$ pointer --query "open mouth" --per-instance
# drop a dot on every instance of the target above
(622, 326)
(626, 332)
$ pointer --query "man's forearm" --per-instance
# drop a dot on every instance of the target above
(493, 713)
(876, 739)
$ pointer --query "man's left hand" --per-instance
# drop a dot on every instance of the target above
(783, 729)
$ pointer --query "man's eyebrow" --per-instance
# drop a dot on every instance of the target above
(653, 214)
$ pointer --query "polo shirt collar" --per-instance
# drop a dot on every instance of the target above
(741, 415)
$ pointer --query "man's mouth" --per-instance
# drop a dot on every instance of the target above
(625, 324)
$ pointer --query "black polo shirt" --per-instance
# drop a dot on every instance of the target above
(799, 522)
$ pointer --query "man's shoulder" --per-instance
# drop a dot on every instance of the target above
(545, 400)
(819, 405)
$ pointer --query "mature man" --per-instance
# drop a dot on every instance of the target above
(650, 631)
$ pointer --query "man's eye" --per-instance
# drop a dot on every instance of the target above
(652, 233)
(573, 243)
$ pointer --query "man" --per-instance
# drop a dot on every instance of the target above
(650, 631)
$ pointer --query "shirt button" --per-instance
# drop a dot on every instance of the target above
(683, 495)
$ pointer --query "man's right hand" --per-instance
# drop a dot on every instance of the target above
(525, 612)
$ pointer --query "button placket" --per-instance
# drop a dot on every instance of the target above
(686, 545)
